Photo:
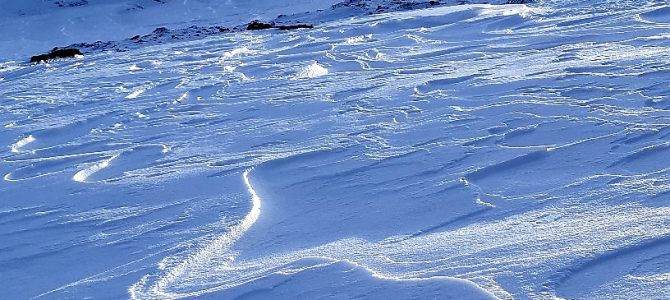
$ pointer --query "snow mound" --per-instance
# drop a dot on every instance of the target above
(312, 71)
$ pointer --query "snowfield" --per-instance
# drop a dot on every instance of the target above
(476, 151)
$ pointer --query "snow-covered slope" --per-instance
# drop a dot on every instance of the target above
(37, 26)
(28, 27)
(468, 152)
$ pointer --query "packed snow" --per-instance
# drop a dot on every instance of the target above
(397, 150)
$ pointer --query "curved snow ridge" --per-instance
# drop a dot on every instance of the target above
(349, 280)
(580, 279)
(18, 146)
(215, 269)
(62, 134)
(659, 15)
(185, 270)
(46, 167)
(653, 154)
(508, 164)
(118, 165)
(83, 175)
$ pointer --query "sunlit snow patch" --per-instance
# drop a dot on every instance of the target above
(182, 98)
(312, 71)
(135, 94)
(511, 10)
(358, 39)
(237, 52)
(83, 175)
(16, 147)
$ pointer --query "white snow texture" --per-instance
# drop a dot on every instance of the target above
(397, 150)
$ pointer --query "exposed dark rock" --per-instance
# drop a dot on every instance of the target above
(137, 39)
(258, 25)
(97, 46)
(519, 1)
(56, 53)
(160, 31)
(39, 58)
(75, 3)
(296, 26)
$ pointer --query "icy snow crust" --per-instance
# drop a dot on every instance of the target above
(466, 152)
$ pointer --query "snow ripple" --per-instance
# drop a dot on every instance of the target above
(520, 148)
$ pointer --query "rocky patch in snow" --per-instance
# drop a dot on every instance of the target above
(346, 8)
(56, 53)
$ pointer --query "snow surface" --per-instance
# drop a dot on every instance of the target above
(473, 151)
(28, 27)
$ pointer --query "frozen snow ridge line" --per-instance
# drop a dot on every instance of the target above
(219, 246)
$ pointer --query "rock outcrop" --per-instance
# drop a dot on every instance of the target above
(56, 53)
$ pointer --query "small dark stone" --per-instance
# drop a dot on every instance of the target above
(61, 53)
(296, 26)
(39, 58)
(160, 30)
(56, 53)
(258, 25)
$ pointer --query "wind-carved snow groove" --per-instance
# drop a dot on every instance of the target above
(647, 159)
(618, 262)
(220, 246)
(118, 164)
(507, 165)
(44, 167)
(437, 227)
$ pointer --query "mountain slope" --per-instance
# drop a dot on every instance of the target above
(31, 27)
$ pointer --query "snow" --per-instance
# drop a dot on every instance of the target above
(118, 19)
(16, 147)
(312, 71)
(135, 94)
(472, 151)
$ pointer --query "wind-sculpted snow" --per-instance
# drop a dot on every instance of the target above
(467, 152)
